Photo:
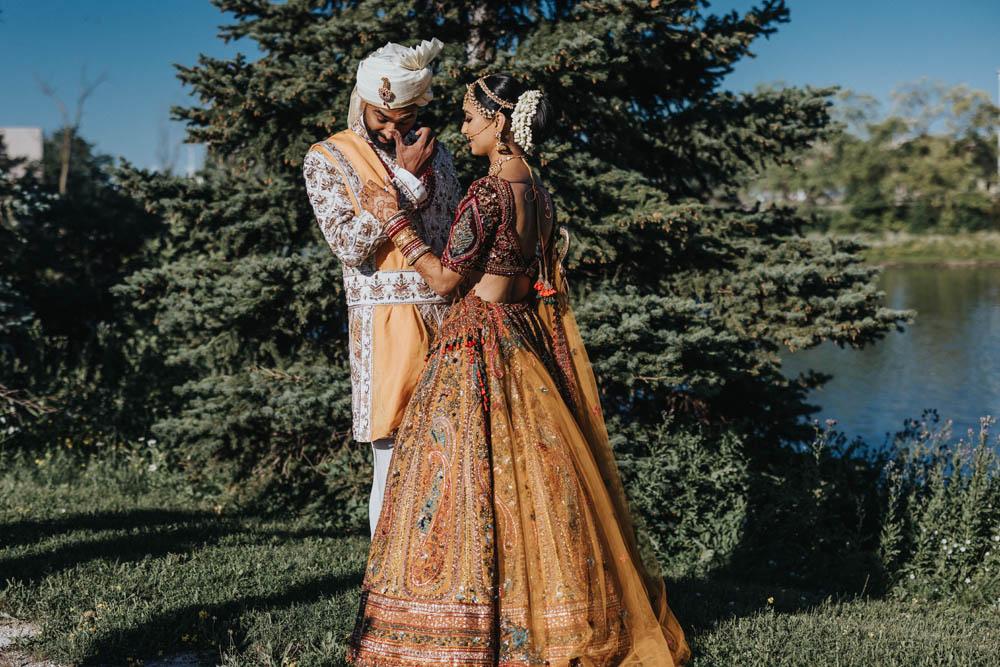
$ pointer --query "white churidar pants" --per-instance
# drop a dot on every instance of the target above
(381, 455)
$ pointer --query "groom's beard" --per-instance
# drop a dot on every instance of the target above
(388, 146)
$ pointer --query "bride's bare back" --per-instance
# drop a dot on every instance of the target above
(511, 289)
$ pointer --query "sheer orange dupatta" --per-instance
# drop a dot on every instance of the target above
(650, 641)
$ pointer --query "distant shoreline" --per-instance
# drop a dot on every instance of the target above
(902, 249)
(944, 263)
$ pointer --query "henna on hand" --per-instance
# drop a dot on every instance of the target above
(378, 201)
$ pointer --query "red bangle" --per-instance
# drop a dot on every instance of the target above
(396, 224)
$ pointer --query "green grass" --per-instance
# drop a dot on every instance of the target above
(897, 248)
(117, 563)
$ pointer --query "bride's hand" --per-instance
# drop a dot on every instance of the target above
(380, 201)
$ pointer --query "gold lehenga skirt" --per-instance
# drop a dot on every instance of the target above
(498, 542)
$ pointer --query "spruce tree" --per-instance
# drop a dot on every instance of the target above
(685, 298)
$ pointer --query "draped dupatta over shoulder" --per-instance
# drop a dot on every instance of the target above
(560, 323)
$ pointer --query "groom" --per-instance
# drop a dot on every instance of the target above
(392, 313)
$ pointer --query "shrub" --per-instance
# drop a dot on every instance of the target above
(940, 537)
(690, 492)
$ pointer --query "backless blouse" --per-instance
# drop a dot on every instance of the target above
(484, 234)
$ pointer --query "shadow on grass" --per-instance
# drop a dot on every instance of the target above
(76, 539)
(164, 630)
(155, 533)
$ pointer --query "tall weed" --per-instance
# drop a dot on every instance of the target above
(940, 537)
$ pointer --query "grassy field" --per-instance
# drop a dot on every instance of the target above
(899, 248)
(120, 563)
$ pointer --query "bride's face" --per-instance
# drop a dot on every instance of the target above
(479, 131)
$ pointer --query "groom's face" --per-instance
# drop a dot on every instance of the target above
(381, 123)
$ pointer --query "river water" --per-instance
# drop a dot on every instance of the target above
(948, 358)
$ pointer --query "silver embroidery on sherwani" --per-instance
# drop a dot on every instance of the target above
(354, 239)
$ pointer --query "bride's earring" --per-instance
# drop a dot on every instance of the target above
(501, 145)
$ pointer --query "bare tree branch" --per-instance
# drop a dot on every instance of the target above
(16, 399)
(70, 129)
(86, 89)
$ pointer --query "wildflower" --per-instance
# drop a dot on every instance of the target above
(770, 600)
(912, 576)
(202, 614)
(968, 581)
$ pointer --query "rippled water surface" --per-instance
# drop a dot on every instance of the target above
(948, 359)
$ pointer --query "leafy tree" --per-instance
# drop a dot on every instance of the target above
(63, 336)
(686, 297)
(927, 165)
(19, 204)
(77, 249)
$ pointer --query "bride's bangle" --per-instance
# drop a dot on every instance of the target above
(405, 237)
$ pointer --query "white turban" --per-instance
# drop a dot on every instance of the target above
(395, 76)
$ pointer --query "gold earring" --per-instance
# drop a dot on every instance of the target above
(501, 146)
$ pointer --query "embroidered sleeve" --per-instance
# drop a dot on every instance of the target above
(474, 229)
(411, 189)
(352, 237)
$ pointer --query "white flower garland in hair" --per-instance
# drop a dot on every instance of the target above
(521, 119)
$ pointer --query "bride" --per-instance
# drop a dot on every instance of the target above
(505, 536)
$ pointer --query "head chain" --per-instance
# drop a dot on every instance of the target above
(470, 97)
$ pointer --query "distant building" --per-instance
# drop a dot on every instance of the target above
(23, 142)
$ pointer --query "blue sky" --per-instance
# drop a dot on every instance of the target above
(867, 46)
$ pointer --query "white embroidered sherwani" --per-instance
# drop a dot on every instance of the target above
(360, 243)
